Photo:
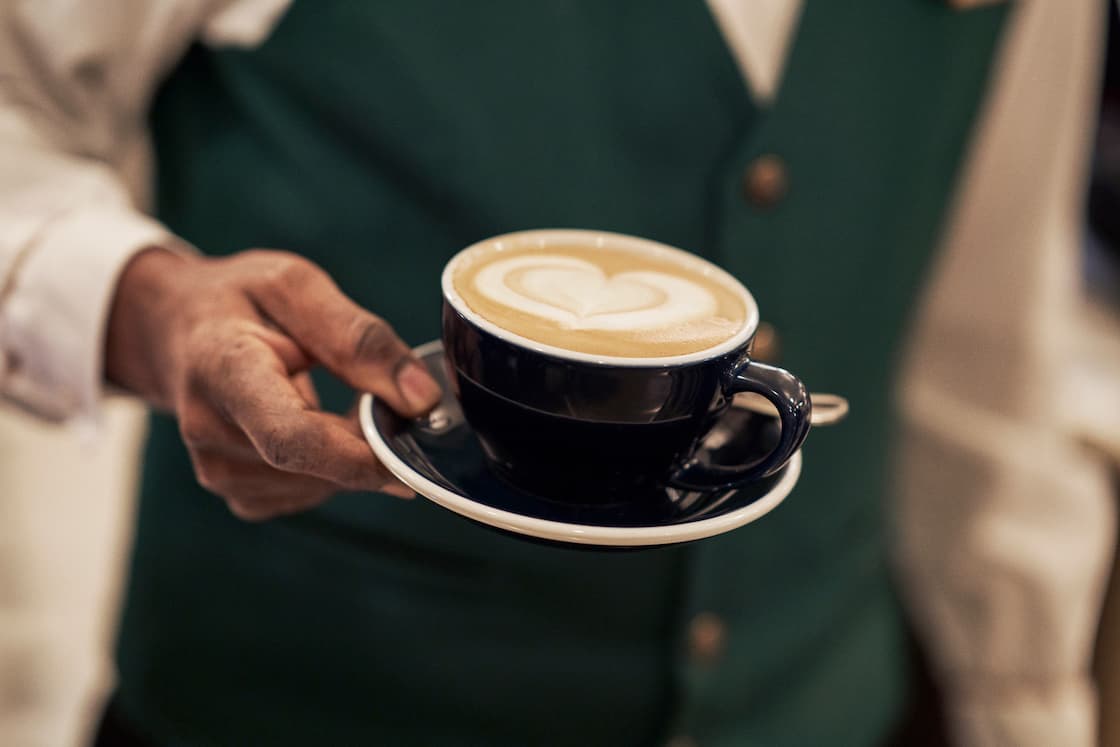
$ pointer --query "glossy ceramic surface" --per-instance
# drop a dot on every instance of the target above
(554, 422)
(441, 458)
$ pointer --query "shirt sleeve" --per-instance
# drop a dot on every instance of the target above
(1005, 522)
(75, 82)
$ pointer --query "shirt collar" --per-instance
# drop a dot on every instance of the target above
(759, 34)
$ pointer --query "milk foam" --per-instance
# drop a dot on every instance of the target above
(602, 299)
(578, 295)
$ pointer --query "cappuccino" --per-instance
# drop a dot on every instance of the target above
(600, 300)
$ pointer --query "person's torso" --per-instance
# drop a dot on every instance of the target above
(377, 140)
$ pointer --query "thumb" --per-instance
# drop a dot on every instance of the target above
(355, 345)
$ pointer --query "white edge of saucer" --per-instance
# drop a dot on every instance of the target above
(581, 534)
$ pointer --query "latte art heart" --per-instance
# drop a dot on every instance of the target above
(585, 291)
(601, 299)
(578, 295)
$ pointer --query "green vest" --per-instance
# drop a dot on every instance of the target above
(379, 138)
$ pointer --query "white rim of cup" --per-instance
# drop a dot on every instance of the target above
(579, 534)
(545, 237)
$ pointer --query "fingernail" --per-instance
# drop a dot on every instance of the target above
(418, 387)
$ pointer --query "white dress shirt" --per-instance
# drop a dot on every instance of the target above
(1005, 525)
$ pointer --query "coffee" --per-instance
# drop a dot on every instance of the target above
(599, 300)
(590, 365)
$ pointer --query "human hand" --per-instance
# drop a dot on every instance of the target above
(226, 343)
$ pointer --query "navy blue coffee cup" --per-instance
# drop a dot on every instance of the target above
(584, 428)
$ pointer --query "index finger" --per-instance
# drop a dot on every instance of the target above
(289, 434)
(358, 346)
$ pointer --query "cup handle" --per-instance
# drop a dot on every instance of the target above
(786, 392)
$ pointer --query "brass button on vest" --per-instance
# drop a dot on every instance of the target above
(766, 181)
(707, 637)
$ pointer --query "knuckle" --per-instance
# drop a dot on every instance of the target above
(372, 339)
(207, 481)
(261, 260)
(226, 366)
(196, 378)
(255, 254)
(233, 352)
(192, 431)
(288, 448)
(210, 475)
(215, 351)
(287, 272)
(248, 510)
(277, 448)
(199, 347)
(194, 425)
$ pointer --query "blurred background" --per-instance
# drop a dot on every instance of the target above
(62, 560)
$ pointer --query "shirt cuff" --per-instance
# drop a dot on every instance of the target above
(1029, 716)
(55, 312)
